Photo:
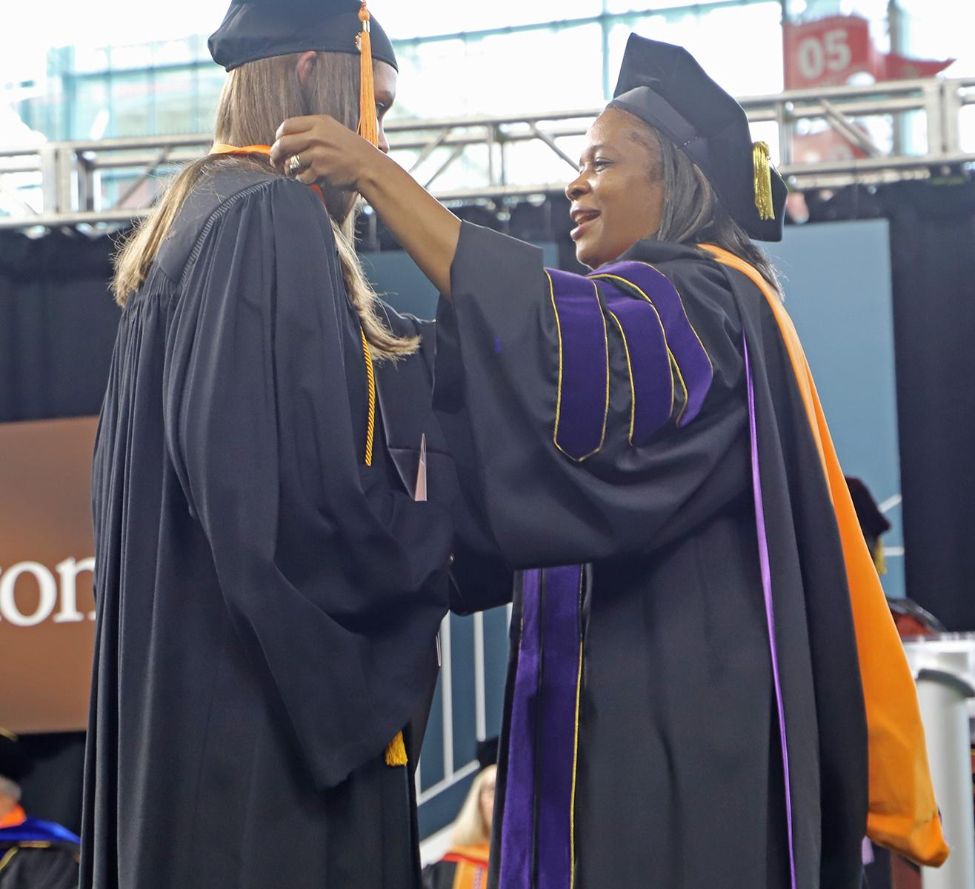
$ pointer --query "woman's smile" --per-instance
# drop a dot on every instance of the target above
(583, 217)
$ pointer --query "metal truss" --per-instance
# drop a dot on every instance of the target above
(69, 174)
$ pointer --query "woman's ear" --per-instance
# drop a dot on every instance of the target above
(304, 65)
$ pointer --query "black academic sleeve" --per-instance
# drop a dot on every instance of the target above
(500, 394)
(334, 581)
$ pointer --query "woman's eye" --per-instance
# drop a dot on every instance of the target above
(600, 163)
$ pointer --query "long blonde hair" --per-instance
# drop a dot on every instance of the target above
(256, 98)
(469, 828)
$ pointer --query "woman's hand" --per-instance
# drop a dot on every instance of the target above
(324, 149)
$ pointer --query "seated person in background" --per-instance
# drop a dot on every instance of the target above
(465, 866)
(34, 854)
(909, 617)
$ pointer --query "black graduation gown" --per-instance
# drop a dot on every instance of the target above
(267, 604)
(54, 867)
(641, 680)
(38, 855)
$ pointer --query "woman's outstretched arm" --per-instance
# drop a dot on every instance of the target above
(329, 151)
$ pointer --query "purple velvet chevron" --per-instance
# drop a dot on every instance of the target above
(518, 825)
(584, 381)
(688, 351)
(536, 831)
(649, 360)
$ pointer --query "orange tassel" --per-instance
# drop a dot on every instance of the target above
(396, 751)
(368, 117)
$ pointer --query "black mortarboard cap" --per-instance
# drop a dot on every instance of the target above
(14, 761)
(260, 29)
(664, 85)
(873, 523)
(487, 752)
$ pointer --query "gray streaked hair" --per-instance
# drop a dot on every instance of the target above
(10, 788)
(692, 213)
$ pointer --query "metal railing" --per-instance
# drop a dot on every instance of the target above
(68, 174)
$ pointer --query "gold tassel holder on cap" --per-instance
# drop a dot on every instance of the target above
(761, 158)
(368, 123)
(396, 751)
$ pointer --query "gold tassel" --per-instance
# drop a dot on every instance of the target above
(396, 751)
(879, 559)
(371, 384)
(368, 123)
(761, 158)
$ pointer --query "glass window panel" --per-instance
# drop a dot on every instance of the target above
(511, 73)
(740, 47)
(88, 58)
(130, 56)
(404, 20)
(132, 104)
(174, 98)
(174, 52)
(91, 105)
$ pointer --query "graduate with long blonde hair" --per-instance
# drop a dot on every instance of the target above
(268, 591)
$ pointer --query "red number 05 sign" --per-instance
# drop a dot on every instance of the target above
(826, 52)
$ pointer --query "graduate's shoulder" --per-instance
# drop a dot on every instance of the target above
(223, 199)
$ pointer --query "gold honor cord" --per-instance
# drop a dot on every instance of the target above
(396, 749)
(371, 382)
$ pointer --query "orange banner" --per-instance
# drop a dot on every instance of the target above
(46, 564)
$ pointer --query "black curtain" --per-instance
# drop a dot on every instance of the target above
(57, 328)
(933, 256)
(57, 324)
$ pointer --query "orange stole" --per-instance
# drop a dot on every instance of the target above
(472, 865)
(903, 814)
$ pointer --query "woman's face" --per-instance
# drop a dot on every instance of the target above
(487, 797)
(385, 85)
(618, 196)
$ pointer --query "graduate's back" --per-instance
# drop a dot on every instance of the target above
(268, 594)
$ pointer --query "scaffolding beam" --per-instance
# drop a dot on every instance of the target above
(66, 175)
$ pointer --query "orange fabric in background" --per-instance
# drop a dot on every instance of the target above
(13, 818)
(472, 864)
(903, 814)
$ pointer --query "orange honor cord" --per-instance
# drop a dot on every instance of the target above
(903, 814)
(368, 116)
(223, 148)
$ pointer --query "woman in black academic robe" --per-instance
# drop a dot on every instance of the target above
(268, 591)
(685, 704)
